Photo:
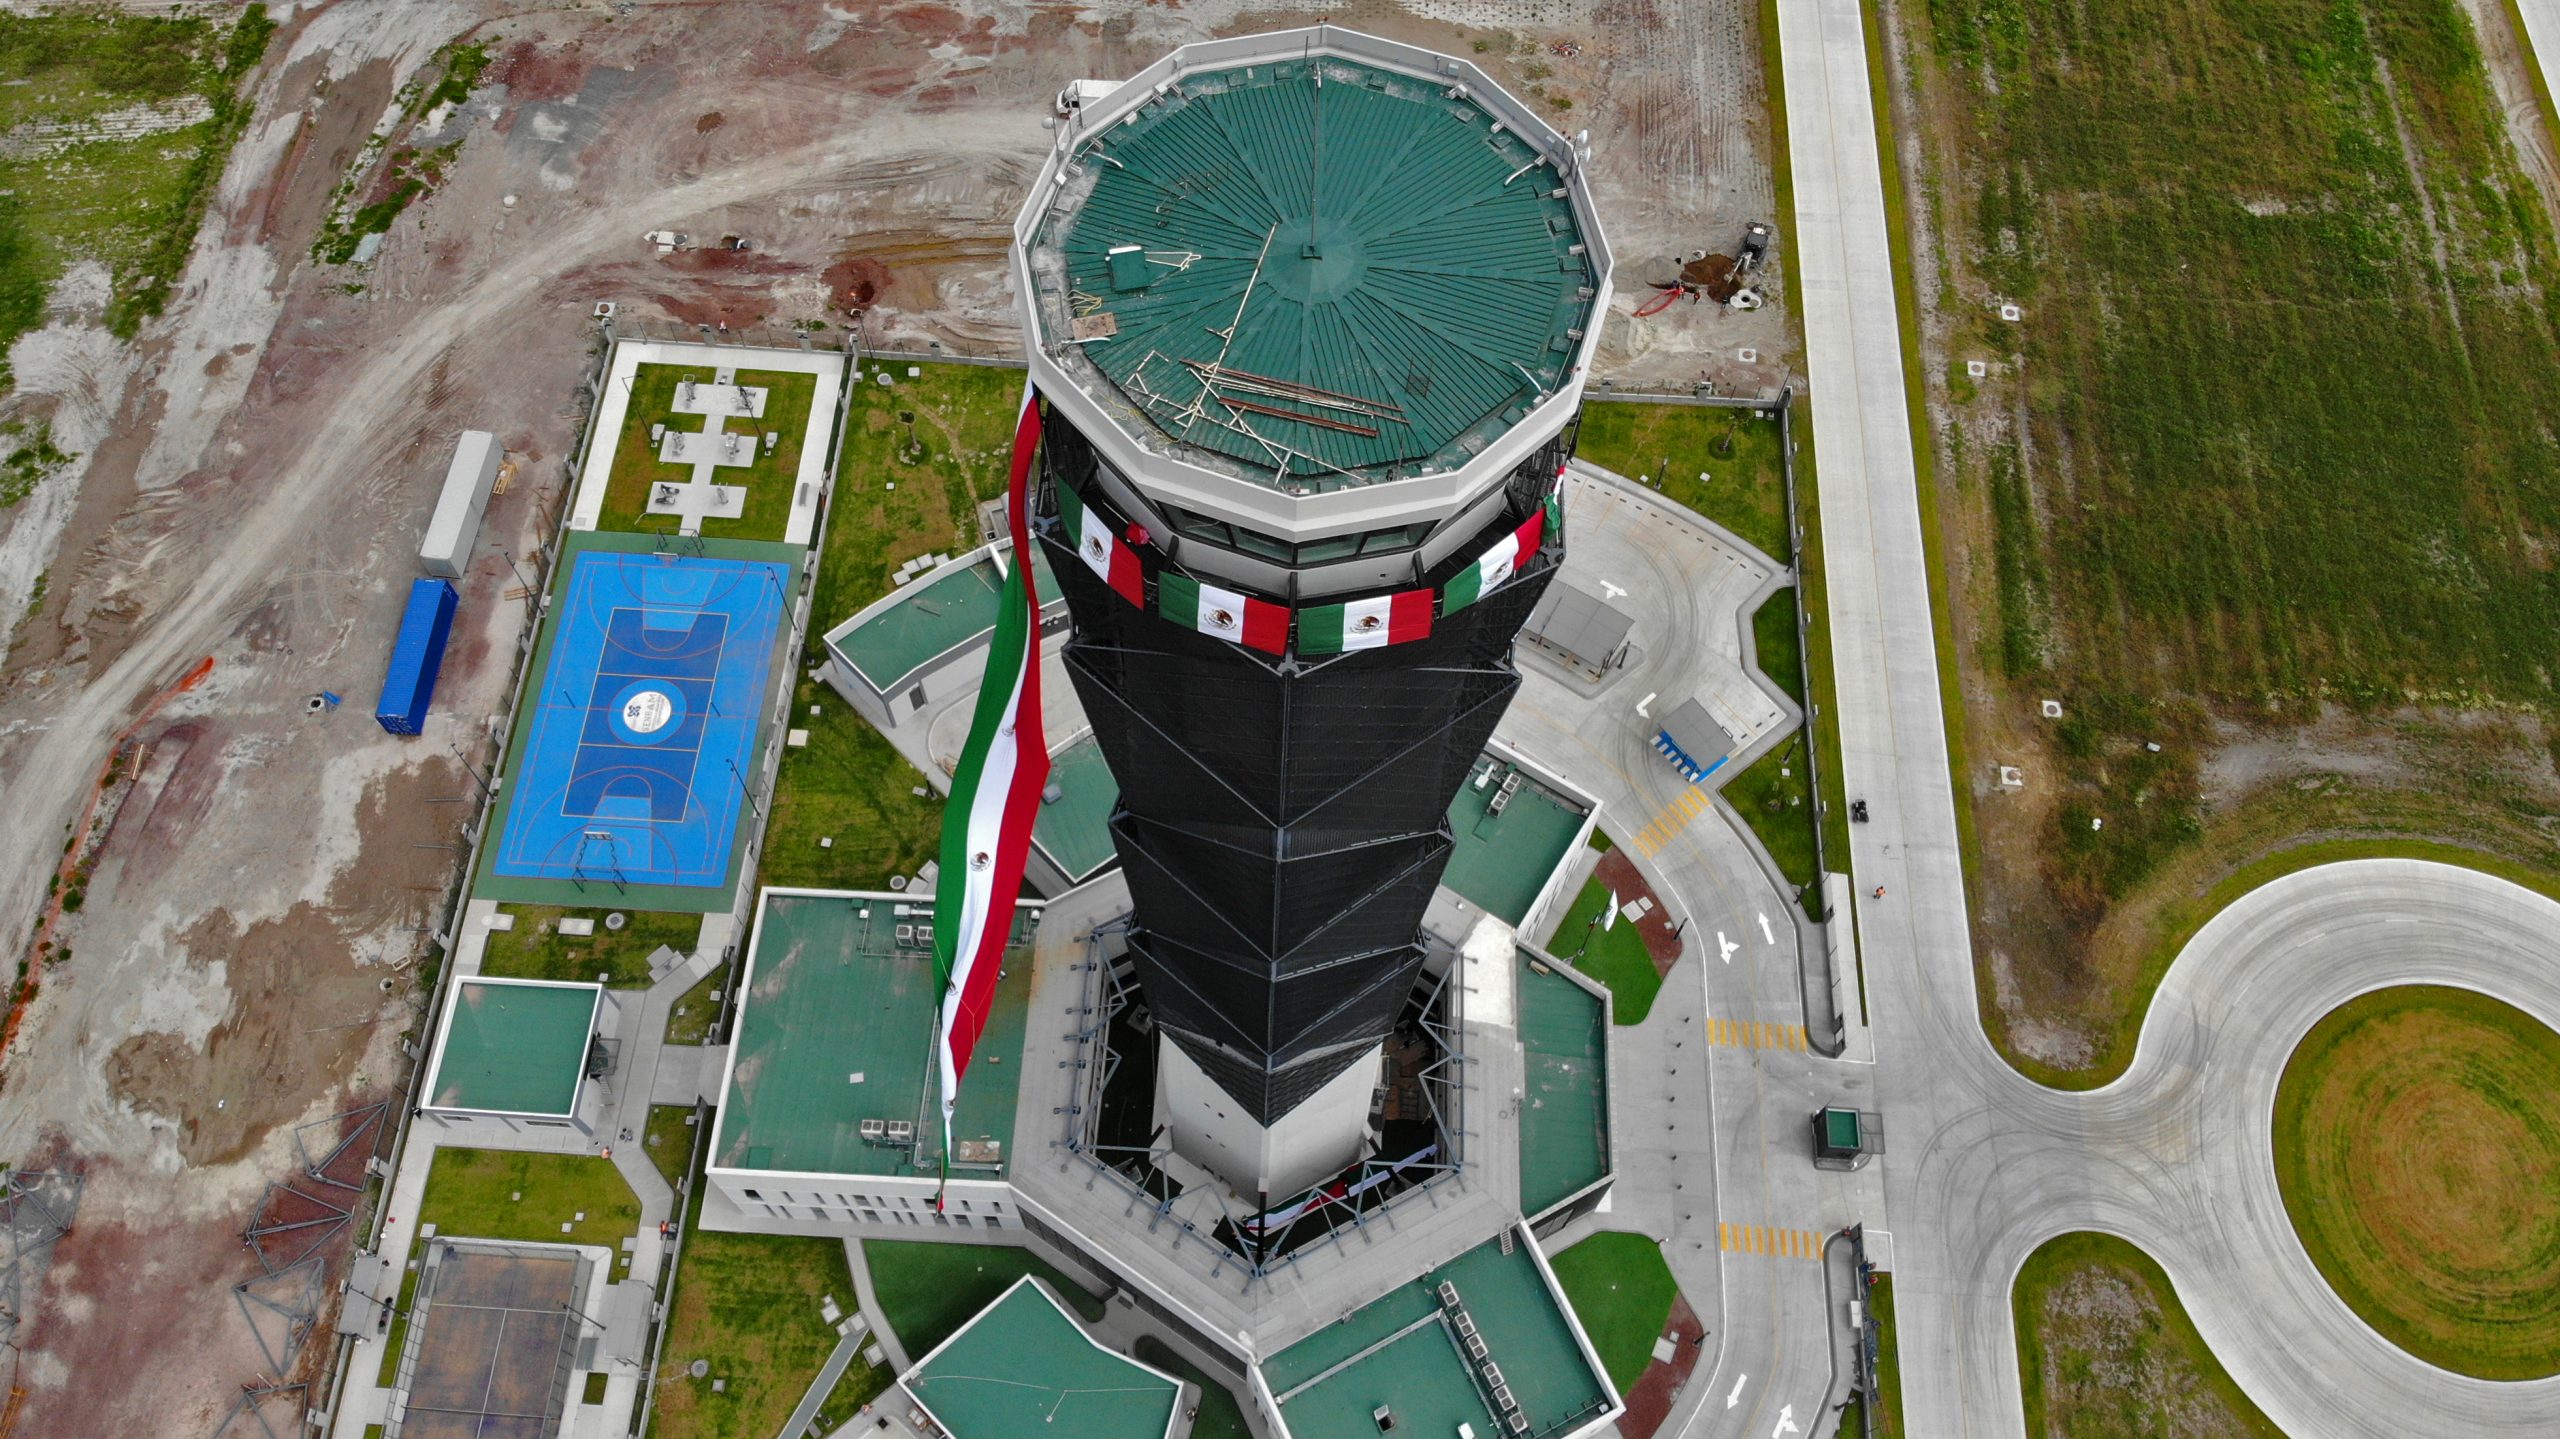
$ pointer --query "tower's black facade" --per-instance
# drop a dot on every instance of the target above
(1283, 821)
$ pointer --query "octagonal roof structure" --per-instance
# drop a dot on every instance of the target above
(1307, 278)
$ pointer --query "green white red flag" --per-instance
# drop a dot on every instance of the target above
(1498, 564)
(1237, 618)
(995, 798)
(1366, 624)
(1102, 551)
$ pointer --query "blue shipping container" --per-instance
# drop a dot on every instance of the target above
(415, 657)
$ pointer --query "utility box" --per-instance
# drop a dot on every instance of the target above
(455, 527)
(410, 684)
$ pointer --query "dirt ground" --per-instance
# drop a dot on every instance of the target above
(258, 466)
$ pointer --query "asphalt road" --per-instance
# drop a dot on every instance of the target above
(1984, 1164)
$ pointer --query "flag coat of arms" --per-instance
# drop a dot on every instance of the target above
(1103, 552)
(1366, 624)
(1239, 619)
(995, 799)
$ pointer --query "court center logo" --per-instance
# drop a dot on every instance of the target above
(647, 712)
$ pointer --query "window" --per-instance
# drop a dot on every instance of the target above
(915, 698)
(751, 1194)
(1194, 525)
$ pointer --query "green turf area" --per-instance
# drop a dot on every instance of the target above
(1622, 1292)
(858, 1385)
(1775, 797)
(1022, 1366)
(1564, 1116)
(770, 479)
(471, 1194)
(1220, 1416)
(690, 1019)
(1745, 491)
(2106, 1351)
(2181, 503)
(668, 1139)
(535, 948)
(1888, 1371)
(927, 1291)
(751, 1307)
(514, 1048)
(2417, 1145)
(1614, 956)
(130, 204)
(850, 786)
(942, 438)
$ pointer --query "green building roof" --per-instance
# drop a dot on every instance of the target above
(836, 1025)
(931, 619)
(1564, 1117)
(1403, 1351)
(514, 1046)
(1075, 832)
(1328, 272)
(1023, 1367)
(1503, 860)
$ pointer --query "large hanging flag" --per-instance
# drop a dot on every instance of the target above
(1365, 624)
(995, 798)
(1497, 565)
(1238, 619)
(1102, 551)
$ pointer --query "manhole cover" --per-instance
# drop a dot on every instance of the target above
(698, 1368)
(615, 920)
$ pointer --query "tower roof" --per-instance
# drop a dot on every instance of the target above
(1316, 271)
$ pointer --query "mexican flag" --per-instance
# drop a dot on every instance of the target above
(1497, 565)
(1365, 624)
(1224, 614)
(1102, 551)
(995, 797)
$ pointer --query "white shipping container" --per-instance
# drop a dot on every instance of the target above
(455, 527)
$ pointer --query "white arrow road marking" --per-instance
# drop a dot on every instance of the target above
(1736, 1396)
(1766, 932)
(1648, 699)
(1725, 947)
(1786, 1423)
(1609, 591)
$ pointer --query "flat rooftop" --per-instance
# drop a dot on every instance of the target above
(1075, 832)
(1322, 271)
(1402, 1351)
(1503, 861)
(1024, 1367)
(836, 1025)
(1564, 1114)
(513, 1046)
(931, 618)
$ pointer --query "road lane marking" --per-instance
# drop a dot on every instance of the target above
(1755, 1034)
(1766, 932)
(1774, 1242)
(1736, 1396)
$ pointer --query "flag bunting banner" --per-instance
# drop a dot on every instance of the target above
(1104, 553)
(1365, 624)
(1239, 619)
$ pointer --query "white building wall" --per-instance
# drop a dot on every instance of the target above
(1321, 1137)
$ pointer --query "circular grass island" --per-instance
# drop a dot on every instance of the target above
(2417, 1145)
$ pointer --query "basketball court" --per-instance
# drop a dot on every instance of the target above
(638, 738)
(493, 1339)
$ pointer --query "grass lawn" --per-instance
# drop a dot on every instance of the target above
(2189, 512)
(2106, 1351)
(941, 438)
(770, 479)
(690, 1021)
(850, 786)
(669, 1140)
(535, 948)
(859, 1385)
(131, 204)
(750, 1306)
(1775, 797)
(471, 1194)
(927, 1291)
(1614, 956)
(1745, 491)
(2417, 1144)
(1888, 1359)
(1220, 1416)
(1622, 1292)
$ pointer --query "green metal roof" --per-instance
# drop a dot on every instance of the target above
(931, 619)
(514, 1048)
(1401, 1352)
(1361, 274)
(832, 993)
(1023, 1367)
(1503, 860)
(1564, 1117)
(1075, 832)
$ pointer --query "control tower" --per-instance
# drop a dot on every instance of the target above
(1311, 313)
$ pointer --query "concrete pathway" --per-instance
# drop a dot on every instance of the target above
(870, 1301)
(848, 1348)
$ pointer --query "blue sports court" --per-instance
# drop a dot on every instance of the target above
(642, 732)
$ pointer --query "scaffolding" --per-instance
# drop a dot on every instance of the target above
(36, 1210)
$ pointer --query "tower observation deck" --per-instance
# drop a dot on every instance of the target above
(1310, 312)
